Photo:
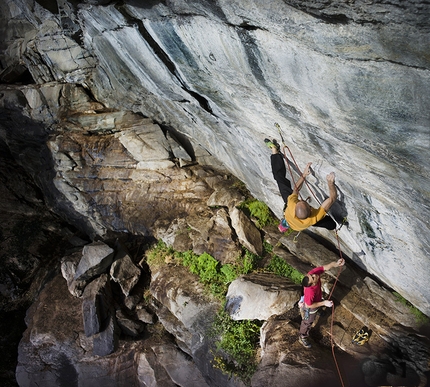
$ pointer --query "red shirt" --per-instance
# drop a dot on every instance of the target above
(313, 293)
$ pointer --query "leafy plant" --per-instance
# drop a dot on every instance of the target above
(249, 262)
(229, 273)
(210, 272)
(157, 255)
(206, 267)
(268, 248)
(278, 266)
(258, 210)
(236, 345)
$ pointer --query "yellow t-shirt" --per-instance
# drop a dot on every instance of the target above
(301, 224)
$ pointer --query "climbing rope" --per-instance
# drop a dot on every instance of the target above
(295, 164)
(332, 314)
(305, 181)
(337, 239)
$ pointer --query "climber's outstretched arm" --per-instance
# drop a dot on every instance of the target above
(326, 204)
(300, 182)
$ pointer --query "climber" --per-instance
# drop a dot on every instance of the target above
(298, 213)
(312, 299)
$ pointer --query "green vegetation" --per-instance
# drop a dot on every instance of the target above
(259, 211)
(236, 341)
(211, 272)
(268, 248)
(278, 266)
(159, 253)
(420, 317)
(236, 350)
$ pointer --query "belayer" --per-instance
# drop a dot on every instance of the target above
(312, 299)
(298, 214)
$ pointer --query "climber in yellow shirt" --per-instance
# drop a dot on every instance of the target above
(298, 213)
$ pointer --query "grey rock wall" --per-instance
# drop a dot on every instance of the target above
(347, 82)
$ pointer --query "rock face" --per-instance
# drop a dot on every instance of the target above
(347, 82)
(129, 118)
(70, 338)
(54, 351)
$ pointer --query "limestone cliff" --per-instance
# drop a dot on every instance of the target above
(347, 82)
(103, 102)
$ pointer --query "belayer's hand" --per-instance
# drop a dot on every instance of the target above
(328, 303)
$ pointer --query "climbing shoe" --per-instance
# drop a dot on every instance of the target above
(305, 342)
(361, 337)
(272, 144)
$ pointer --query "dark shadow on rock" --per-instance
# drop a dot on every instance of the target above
(379, 371)
(233, 304)
(180, 139)
(338, 210)
(27, 142)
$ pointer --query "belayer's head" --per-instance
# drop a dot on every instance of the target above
(310, 280)
(303, 209)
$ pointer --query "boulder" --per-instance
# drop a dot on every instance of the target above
(260, 296)
(225, 196)
(133, 300)
(148, 146)
(96, 305)
(54, 351)
(144, 316)
(96, 259)
(386, 302)
(187, 311)
(284, 362)
(178, 150)
(125, 273)
(127, 325)
(106, 341)
(69, 264)
(214, 235)
(47, 347)
(182, 371)
(248, 234)
(151, 372)
(174, 234)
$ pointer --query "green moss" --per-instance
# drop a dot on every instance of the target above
(268, 248)
(259, 211)
(420, 317)
(248, 263)
(278, 266)
(211, 272)
(236, 346)
(208, 269)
